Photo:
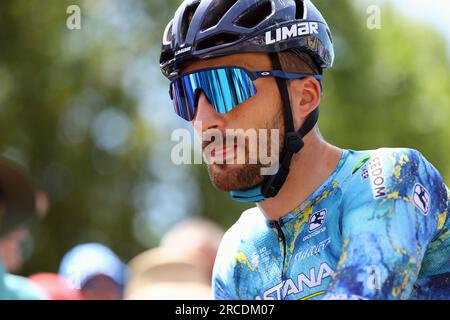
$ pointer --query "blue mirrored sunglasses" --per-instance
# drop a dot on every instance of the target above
(224, 87)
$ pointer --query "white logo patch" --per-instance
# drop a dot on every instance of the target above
(377, 179)
(421, 198)
(316, 220)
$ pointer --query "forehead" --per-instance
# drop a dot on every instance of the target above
(250, 61)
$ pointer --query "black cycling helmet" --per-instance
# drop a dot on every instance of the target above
(203, 29)
(17, 197)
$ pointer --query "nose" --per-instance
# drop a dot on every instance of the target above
(206, 116)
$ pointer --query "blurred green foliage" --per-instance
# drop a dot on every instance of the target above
(87, 112)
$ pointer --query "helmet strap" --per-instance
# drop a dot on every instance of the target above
(293, 140)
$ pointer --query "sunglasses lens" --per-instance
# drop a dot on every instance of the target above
(225, 88)
(183, 99)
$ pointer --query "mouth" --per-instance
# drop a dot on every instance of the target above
(223, 155)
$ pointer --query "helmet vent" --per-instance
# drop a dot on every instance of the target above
(255, 15)
(299, 10)
(217, 40)
(167, 38)
(187, 18)
(216, 12)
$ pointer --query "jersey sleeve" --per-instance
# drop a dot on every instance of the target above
(222, 278)
(390, 215)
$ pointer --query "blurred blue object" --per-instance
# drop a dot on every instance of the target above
(14, 287)
(87, 260)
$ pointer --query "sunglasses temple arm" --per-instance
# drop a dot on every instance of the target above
(285, 75)
(281, 74)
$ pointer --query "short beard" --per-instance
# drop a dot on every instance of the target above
(240, 178)
(234, 177)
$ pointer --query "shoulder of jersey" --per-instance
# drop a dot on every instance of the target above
(378, 172)
(250, 223)
(392, 172)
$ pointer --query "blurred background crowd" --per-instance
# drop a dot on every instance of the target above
(91, 206)
(180, 267)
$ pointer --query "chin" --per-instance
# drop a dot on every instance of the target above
(229, 177)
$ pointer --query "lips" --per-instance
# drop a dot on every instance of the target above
(225, 154)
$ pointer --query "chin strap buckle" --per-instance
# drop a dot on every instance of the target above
(294, 142)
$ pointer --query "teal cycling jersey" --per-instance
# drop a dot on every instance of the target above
(376, 229)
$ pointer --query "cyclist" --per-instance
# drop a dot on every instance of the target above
(330, 223)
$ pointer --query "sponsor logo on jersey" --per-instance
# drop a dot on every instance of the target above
(316, 220)
(294, 286)
(364, 173)
(262, 256)
(316, 224)
(421, 198)
(315, 233)
(377, 179)
(313, 250)
(292, 31)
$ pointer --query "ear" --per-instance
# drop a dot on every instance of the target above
(305, 96)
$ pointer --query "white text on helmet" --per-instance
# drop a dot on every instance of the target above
(295, 30)
(183, 50)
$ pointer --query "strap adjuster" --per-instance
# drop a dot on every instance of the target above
(294, 142)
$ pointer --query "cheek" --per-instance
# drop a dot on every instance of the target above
(268, 101)
(257, 111)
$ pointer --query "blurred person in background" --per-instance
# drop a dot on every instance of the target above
(162, 274)
(55, 286)
(20, 204)
(195, 235)
(181, 268)
(95, 270)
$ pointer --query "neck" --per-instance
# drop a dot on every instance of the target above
(309, 169)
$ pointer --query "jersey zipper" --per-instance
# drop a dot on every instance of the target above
(281, 239)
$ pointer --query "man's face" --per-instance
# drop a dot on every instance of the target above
(262, 111)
